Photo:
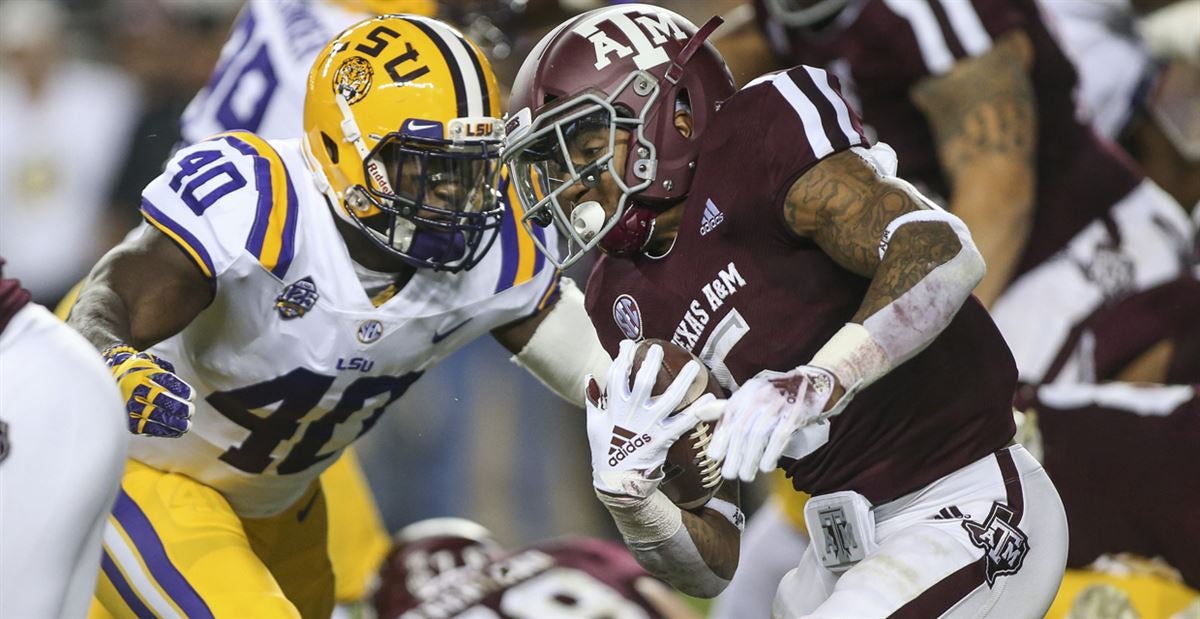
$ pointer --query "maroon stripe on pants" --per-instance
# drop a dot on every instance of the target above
(947, 592)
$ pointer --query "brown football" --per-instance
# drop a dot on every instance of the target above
(690, 478)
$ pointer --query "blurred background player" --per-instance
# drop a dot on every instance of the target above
(62, 448)
(400, 144)
(53, 102)
(976, 98)
(1139, 81)
(450, 567)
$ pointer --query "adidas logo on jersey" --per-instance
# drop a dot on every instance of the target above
(711, 219)
(624, 443)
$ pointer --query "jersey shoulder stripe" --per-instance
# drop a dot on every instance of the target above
(272, 237)
(521, 260)
(945, 32)
(180, 235)
(829, 124)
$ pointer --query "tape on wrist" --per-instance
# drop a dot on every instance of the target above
(644, 522)
(853, 356)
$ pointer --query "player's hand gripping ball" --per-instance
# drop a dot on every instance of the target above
(645, 433)
(158, 402)
(764, 415)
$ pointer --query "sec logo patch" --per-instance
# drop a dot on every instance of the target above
(628, 317)
(370, 331)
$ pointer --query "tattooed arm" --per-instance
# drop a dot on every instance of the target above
(921, 261)
(984, 121)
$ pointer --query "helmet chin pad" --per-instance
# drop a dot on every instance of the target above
(631, 233)
(436, 247)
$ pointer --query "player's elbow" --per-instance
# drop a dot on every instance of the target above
(973, 267)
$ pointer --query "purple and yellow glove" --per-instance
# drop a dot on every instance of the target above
(159, 403)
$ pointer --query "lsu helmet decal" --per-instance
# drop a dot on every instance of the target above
(402, 130)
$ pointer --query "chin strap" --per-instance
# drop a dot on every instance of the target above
(675, 71)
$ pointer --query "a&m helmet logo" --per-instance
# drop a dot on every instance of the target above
(642, 35)
(370, 331)
(297, 299)
(1004, 544)
(628, 317)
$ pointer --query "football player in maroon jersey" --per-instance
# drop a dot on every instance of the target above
(977, 98)
(1141, 502)
(450, 567)
(761, 230)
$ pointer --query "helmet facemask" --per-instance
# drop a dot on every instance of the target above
(432, 202)
(575, 142)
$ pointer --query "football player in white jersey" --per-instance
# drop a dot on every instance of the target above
(258, 86)
(285, 293)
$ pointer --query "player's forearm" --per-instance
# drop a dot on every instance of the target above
(563, 369)
(995, 200)
(696, 554)
(100, 316)
(928, 270)
(140, 293)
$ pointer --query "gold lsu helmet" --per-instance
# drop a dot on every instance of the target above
(402, 128)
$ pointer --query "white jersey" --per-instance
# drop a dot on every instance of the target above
(292, 362)
(260, 79)
(1100, 38)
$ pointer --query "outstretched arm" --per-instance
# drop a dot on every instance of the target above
(140, 293)
(984, 119)
(558, 345)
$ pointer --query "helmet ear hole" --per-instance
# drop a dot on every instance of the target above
(331, 147)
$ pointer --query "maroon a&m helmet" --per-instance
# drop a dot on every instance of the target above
(621, 67)
(427, 557)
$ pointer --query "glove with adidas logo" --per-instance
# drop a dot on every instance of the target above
(630, 430)
(158, 402)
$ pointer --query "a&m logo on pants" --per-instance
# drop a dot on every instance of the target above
(1004, 545)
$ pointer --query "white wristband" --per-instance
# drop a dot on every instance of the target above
(644, 522)
(853, 356)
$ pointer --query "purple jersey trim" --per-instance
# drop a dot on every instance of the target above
(188, 242)
(265, 183)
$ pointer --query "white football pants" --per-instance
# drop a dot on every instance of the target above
(989, 540)
(1038, 311)
(66, 439)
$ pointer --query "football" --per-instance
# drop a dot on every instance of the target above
(690, 477)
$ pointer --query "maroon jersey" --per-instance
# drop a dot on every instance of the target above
(572, 577)
(881, 48)
(12, 298)
(1123, 458)
(745, 294)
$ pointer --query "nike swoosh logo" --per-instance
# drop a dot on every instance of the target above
(420, 127)
(437, 337)
(303, 513)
